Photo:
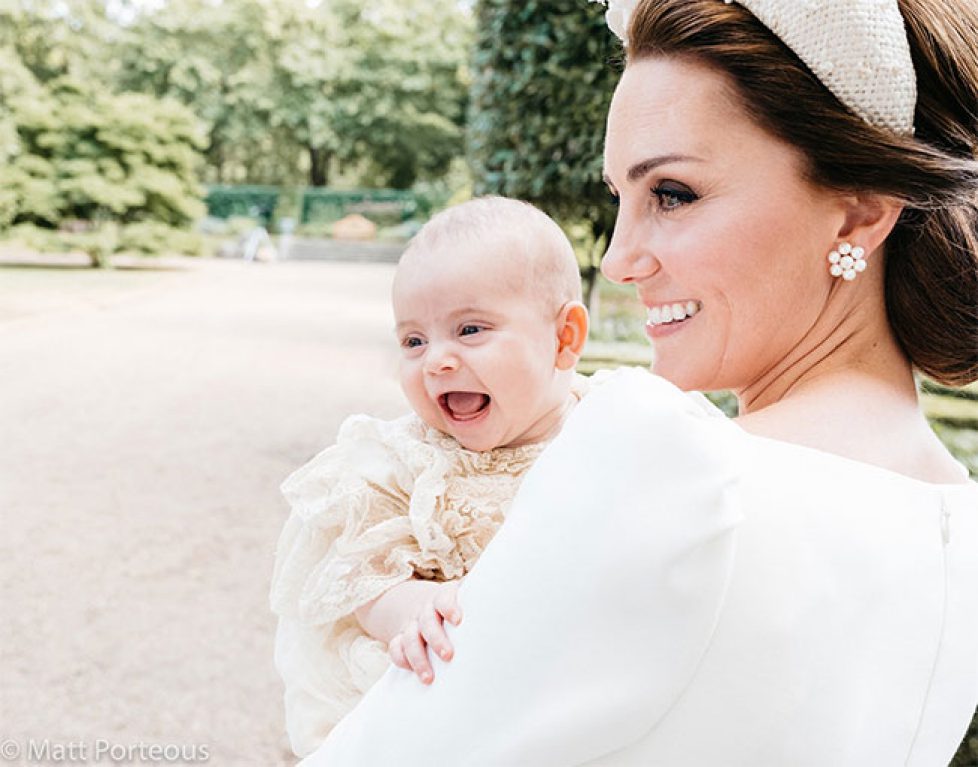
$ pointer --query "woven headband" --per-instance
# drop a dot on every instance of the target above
(858, 49)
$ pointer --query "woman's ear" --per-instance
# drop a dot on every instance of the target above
(572, 325)
(869, 219)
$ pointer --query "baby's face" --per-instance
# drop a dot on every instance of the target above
(478, 351)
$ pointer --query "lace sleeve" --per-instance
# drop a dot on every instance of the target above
(349, 537)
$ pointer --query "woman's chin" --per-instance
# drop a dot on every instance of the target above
(681, 376)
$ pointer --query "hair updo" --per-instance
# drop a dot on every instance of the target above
(932, 254)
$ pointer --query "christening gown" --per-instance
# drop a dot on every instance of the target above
(390, 501)
(670, 590)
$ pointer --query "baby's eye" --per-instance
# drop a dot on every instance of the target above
(469, 330)
(672, 196)
(411, 342)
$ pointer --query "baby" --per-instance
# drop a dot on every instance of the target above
(384, 524)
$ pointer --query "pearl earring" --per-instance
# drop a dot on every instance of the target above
(847, 261)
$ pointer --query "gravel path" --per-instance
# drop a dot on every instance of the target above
(147, 418)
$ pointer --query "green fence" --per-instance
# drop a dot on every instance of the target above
(317, 205)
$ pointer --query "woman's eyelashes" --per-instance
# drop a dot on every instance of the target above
(671, 196)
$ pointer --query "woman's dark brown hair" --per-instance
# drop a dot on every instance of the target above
(932, 254)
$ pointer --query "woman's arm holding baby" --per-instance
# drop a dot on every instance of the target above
(409, 618)
(590, 611)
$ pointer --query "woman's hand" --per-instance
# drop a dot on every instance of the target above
(409, 648)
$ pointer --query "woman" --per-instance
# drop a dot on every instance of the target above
(798, 587)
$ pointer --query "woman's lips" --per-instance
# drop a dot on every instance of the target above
(668, 318)
(673, 311)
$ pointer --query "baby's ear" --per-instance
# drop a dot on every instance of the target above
(572, 324)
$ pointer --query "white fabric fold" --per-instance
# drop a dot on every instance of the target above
(588, 614)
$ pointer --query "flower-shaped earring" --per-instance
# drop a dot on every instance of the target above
(847, 261)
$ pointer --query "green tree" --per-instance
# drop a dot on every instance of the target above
(58, 38)
(287, 88)
(110, 171)
(543, 76)
(212, 57)
(81, 166)
(99, 156)
(401, 102)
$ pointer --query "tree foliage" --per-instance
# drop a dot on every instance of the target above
(58, 38)
(78, 153)
(404, 96)
(543, 76)
(100, 166)
(84, 154)
(285, 87)
(106, 107)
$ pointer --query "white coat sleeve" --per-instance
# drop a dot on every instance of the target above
(588, 614)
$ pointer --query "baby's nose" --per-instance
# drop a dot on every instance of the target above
(440, 360)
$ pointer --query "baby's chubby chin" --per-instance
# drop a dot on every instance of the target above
(466, 416)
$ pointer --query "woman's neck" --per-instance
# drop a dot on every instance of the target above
(857, 348)
(849, 391)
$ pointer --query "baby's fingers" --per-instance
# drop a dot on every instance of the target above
(433, 632)
(446, 603)
(396, 651)
(416, 652)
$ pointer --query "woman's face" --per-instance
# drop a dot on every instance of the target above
(715, 219)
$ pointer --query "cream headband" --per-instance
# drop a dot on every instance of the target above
(858, 49)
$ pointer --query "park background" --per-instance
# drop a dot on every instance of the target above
(201, 203)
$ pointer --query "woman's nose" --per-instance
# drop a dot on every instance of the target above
(628, 258)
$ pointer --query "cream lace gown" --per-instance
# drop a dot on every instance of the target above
(391, 500)
(671, 590)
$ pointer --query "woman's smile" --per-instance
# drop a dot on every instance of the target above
(673, 311)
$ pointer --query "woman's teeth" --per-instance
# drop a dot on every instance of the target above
(663, 315)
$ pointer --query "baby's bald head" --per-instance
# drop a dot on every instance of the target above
(510, 239)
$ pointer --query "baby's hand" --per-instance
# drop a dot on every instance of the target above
(409, 648)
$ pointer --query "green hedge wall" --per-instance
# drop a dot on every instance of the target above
(318, 205)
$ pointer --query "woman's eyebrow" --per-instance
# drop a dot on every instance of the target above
(641, 169)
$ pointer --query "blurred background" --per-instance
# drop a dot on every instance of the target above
(201, 204)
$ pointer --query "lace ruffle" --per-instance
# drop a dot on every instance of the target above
(390, 501)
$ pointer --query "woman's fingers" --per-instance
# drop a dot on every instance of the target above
(416, 652)
(396, 651)
(434, 633)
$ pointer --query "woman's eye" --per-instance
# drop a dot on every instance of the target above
(673, 197)
(469, 330)
(615, 200)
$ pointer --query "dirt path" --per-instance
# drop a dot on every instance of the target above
(147, 420)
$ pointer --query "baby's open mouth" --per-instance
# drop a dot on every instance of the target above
(464, 405)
